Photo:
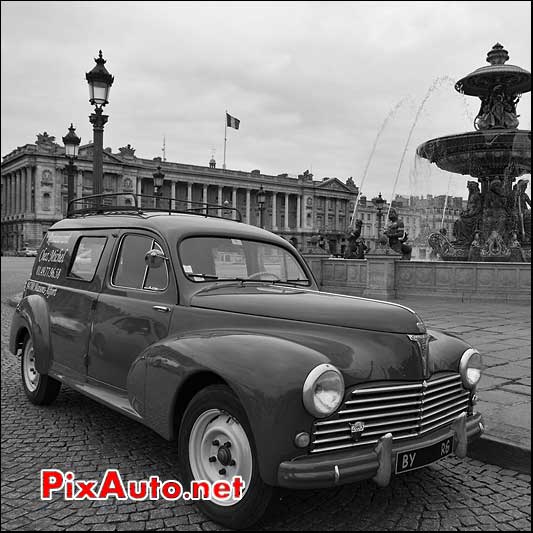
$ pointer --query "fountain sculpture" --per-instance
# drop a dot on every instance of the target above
(496, 224)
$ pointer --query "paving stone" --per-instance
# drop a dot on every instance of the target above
(79, 434)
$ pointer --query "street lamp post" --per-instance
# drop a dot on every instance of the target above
(379, 202)
(261, 197)
(100, 82)
(159, 177)
(71, 142)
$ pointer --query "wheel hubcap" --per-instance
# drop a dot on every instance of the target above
(219, 450)
(31, 376)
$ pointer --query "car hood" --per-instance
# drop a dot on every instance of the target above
(311, 306)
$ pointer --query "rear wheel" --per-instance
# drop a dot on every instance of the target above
(215, 443)
(39, 388)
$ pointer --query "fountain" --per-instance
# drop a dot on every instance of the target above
(496, 224)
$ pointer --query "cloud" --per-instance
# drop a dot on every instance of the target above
(311, 82)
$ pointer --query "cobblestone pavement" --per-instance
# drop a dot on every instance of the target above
(78, 434)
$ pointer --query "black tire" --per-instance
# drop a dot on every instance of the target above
(258, 496)
(45, 388)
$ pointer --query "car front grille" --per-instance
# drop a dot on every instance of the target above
(406, 410)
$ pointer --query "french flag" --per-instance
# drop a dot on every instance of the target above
(232, 122)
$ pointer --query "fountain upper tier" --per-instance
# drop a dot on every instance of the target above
(497, 148)
(481, 82)
(481, 154)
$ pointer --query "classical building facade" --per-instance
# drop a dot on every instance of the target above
(301, 209)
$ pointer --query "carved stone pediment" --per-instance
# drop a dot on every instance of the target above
(334, 184)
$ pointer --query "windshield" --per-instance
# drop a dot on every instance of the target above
(222, 258)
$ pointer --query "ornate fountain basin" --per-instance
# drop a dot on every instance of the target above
(481, 154)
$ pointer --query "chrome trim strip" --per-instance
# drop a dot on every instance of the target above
(388, 389)
(379, 407)
(443, 420)
(382, 398)
(438, 400)
(433, 412)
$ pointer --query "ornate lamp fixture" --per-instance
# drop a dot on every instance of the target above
(159, 178)
(100, 82)
(261, 198)
(72, 143)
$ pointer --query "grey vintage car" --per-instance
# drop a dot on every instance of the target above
(215, 333)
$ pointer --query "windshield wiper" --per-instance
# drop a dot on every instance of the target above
(211, 276)
(294, 281)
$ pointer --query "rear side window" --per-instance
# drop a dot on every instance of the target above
(87, 257)
(131, 270)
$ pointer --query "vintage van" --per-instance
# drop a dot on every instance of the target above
(215, 333)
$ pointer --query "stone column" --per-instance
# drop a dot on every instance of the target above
(220, 200)
(248, 200)
(18, 185)
(204, 194)
(189, 195)
(79, 184)
(16, 195)
(287, 211)
(4, 195)
(173, 185)
(336, 221)
(234, 202)
(7, 201)
(27, 190)
(274, 210)
(12, 194)
(23, 190)
(8, 195)
(298, 212)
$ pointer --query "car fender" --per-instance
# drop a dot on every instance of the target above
(445, 351)
(266, 372)
(32, 313)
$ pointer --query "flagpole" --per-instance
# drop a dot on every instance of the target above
(225, 138)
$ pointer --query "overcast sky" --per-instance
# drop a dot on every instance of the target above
(311, 82)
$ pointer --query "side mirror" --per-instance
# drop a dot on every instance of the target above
(155, 258)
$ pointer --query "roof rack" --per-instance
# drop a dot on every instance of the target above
(121, 202)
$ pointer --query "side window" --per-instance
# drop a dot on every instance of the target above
(131, 270)
(87, 257)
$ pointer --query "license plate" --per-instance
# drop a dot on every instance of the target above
(413, 459)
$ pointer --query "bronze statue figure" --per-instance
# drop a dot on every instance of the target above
(522, 210)
(397, 235)
(469, 219)
(356, 247)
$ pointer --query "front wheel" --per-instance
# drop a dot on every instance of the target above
(39, 388)
(215, 443)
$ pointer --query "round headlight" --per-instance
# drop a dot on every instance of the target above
(470, 368)
(323, 390)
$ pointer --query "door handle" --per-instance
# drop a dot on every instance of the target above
(161, 308)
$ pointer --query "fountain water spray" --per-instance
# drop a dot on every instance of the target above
(446, 200)
(436, 83)
(365, 172)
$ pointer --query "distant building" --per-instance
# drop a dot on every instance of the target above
(34, 193)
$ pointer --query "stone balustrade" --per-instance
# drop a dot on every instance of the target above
(386, 277)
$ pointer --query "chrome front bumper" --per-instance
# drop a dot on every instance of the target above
(377, 463)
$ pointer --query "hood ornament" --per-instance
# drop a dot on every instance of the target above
(422, 344)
